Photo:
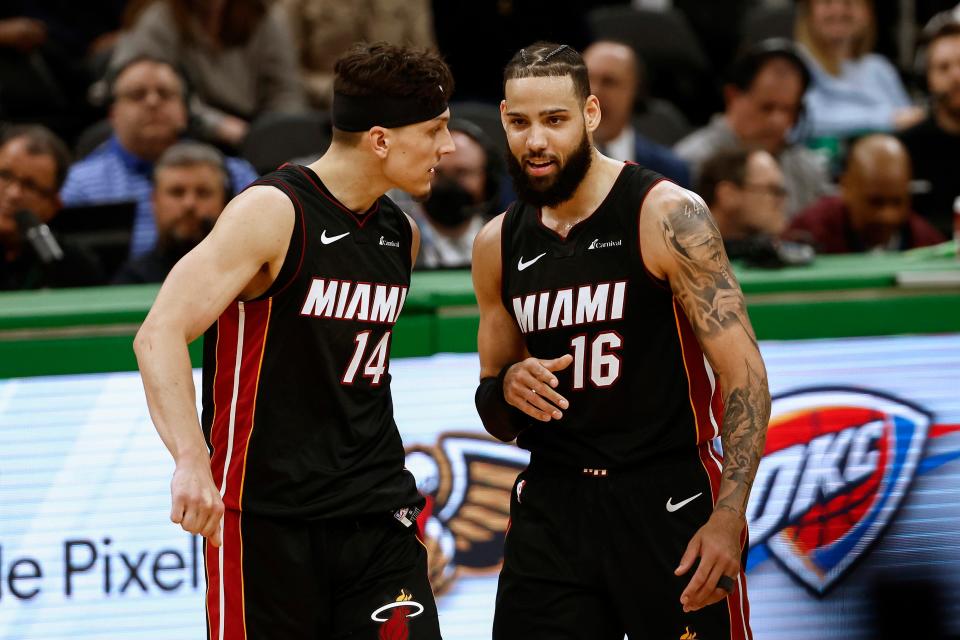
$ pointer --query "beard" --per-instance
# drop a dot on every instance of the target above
(948, 102)
(177, 244)
(549, 191)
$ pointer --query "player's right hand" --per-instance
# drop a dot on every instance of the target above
(529, 386)
(196, 503)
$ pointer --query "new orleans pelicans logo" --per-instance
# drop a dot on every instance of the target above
(467, 480)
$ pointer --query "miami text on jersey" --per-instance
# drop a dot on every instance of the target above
(570, 307)
(345, 300)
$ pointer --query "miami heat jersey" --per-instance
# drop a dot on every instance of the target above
(297, 409)
(639, 384)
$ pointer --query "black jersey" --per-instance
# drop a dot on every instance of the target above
(639, 384)
(296, 389)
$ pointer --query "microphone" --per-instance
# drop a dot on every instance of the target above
(39, 236)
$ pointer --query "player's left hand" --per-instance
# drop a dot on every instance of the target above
(717, 544)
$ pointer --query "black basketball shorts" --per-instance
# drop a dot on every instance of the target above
(591, 553)
(363, 579)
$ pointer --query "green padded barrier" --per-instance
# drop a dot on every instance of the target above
(91, 330)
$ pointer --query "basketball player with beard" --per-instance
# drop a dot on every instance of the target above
(295, 472)
(614, 346)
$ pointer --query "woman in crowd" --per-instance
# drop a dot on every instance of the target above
(853, 89)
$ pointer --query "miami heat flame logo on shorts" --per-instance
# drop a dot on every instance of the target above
(394, 616)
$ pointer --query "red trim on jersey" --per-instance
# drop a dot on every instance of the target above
(254, 336)
(359, 218)
(235, 604)
(211, 560)
(716, 403)
(225, 576)
(702, 396)
(229, 459)
(713, 466)
(738, 606)
(260, 326)
(217, 443)
(227, 326)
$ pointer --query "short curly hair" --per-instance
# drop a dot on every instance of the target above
(381, 69)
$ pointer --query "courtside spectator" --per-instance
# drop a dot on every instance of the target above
(189, 192)
(464, 194)
(33, 163)
(614, 79)
(746, 195)
(872, 211)
(853, 90)
(148, 112)
(763, 97)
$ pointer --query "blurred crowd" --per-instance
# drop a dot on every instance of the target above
(828, 126)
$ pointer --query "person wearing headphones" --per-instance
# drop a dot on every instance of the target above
(148, 113)
(764, 97)
(190, 187)
(464, 195)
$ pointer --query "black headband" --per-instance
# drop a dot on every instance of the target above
(355, 113)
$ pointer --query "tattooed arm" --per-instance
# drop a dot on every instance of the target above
(681, 243)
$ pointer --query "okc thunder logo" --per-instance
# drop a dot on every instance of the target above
(838, 464)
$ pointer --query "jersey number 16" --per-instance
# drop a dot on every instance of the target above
(599, 358)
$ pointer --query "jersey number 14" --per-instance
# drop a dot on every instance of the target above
(375, 365)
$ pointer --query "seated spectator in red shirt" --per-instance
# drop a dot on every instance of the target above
(873, 210)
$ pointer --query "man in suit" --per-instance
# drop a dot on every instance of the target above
(614, 79)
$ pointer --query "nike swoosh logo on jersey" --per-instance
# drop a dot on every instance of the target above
(671, 507)
(325, 239)
(523, 265)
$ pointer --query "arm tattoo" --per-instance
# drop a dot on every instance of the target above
(704, 282)
(706, 287)
(745, 417)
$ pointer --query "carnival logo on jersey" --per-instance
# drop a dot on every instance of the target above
(838, 464)
(389, 243)
(393, 616)
(596, 244)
